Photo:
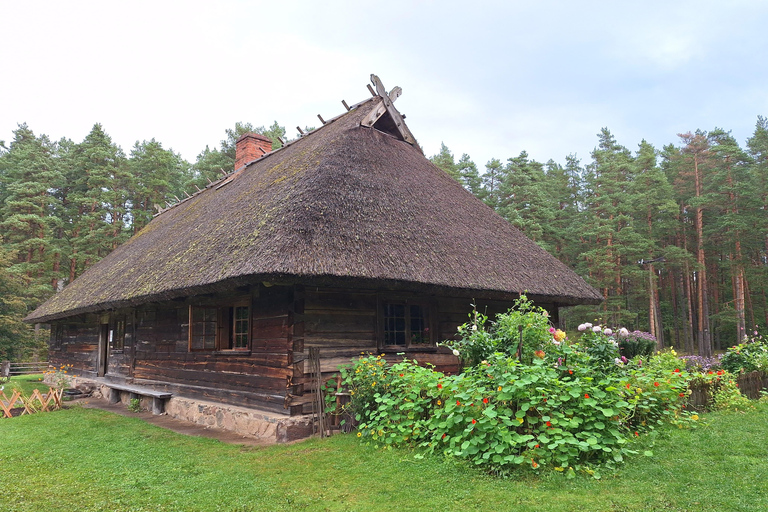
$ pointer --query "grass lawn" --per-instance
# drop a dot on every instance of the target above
(26, 383)
(90, 460)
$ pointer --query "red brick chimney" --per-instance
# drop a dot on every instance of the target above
(249, 147)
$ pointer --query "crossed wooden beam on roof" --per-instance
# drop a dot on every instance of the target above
(386, 106)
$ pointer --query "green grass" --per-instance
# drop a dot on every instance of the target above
(90, 460)
(26, 384)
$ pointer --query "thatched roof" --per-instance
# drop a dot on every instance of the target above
(344, 202)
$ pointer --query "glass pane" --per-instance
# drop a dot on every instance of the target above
(394, 324)
(419, 331)
(203, 328)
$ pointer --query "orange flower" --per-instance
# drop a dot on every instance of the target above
(539, 354)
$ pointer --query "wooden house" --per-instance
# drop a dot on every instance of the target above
(346, 239)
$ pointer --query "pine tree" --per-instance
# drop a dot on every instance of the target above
(157, 175)
(695, 162)
(608, 228)
(758, 255)
(444, 160)
(97, 199)
(491, 180)
(31, 175)
(653, 212)
(469, 176)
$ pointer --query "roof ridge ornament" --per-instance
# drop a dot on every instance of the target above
(386, 106)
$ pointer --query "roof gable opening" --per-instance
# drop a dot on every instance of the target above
(386, 124)
(385, 117)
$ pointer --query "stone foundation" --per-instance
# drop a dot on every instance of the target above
(253, 423)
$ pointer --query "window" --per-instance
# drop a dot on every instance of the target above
(405, 325)
(117, 334)
(220, 328)
(57, 335)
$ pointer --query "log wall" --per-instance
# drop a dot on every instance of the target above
(285, 322)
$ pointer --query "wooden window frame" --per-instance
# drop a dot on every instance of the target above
(226, 327)
(117, 334)
(428, 309)
(57, 332)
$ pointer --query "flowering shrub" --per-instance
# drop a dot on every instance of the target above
(747, 357)
(479, 339)
(502, 414)
(59, 377)
(637, 343)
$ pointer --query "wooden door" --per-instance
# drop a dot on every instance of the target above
(103, 350)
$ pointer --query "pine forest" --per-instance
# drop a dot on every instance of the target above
(675, 239)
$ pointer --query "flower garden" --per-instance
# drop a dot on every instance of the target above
(532, 397)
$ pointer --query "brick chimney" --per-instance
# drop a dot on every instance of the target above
(249, 147)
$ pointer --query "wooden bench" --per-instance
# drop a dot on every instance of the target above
(158, 397)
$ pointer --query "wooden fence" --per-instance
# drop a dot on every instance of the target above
(9, 369)
(750, 384)
(18, 404)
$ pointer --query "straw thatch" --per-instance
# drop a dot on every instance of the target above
(344, 203)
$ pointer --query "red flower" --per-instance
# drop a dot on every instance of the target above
(677, 370)
(474, 421)
(533, 463)
(401, 375)
(458, 403)
(636, 433)
(536, 446)
(682, 395)
(443, 437)
(485, 400)
(570, 371)
(720, 372)
(439, 386)
(710, 372)
(656, 384)
(549, 424)
(586, 395)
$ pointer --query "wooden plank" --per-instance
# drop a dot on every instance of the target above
(221, 380)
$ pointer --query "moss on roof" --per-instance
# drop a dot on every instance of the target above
(344, 201)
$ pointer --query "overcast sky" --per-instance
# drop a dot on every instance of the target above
(489, 80)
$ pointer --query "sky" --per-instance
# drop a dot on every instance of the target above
(490, 79)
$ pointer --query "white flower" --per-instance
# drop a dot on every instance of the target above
(607, 332)
(623, 332)
(582, 327)
(617, 361)
(587, 325)
(474, 327)
(615, 343)
(596, 328)
(555, 342)
(456, 352)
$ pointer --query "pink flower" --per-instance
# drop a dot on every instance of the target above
(552, 330)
